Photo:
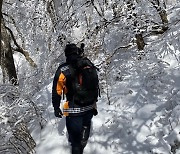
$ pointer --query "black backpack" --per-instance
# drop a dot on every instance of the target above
(85, 82)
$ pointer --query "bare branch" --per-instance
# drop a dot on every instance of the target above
(114, 52)
(21, 50)
(15, 25)
(99, 13)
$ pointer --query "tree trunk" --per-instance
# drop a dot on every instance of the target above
(6, 53)
(7, 61)
(0, 27)
(164, 19)
(163, 15)
(140, 41)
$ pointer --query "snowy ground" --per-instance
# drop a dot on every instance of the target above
(141, 119)
(144, 114)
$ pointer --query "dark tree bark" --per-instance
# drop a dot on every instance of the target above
(6, 52)
(163, 15)
(140, 41)
(0, 26)
(138, 35)
(6, 55)
(21, 50)
(7, 61)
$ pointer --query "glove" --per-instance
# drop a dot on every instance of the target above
(58, 113)
(95, 112)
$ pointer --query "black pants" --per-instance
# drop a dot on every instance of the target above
(78, 128)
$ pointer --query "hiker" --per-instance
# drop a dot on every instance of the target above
(76, 79)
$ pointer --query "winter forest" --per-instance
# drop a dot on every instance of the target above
(136, 46)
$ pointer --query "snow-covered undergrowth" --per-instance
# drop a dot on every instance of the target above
(19, 114)
(138, 109)
(141, 113)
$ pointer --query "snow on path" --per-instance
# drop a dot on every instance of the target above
(110, 130)
(53, 138)
(135, 122)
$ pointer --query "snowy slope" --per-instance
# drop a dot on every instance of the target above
(143, 115)
(144, 95)
(141, 118)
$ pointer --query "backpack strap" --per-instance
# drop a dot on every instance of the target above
(74, 79)
(63, 93)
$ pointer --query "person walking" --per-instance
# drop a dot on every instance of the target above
(76, 79)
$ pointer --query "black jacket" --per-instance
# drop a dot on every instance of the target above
(62, 86)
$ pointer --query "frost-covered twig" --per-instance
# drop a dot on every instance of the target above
(114, 52)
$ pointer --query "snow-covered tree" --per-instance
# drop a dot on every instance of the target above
(130, 41)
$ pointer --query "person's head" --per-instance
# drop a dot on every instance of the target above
(72, 54)
(70, 50)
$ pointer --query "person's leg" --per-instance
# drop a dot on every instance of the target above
(85, 136)
(86, 129)
(76, 150)
(74, 128)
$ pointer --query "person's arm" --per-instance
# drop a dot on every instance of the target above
(57, 89)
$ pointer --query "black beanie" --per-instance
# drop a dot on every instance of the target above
(71, 49)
